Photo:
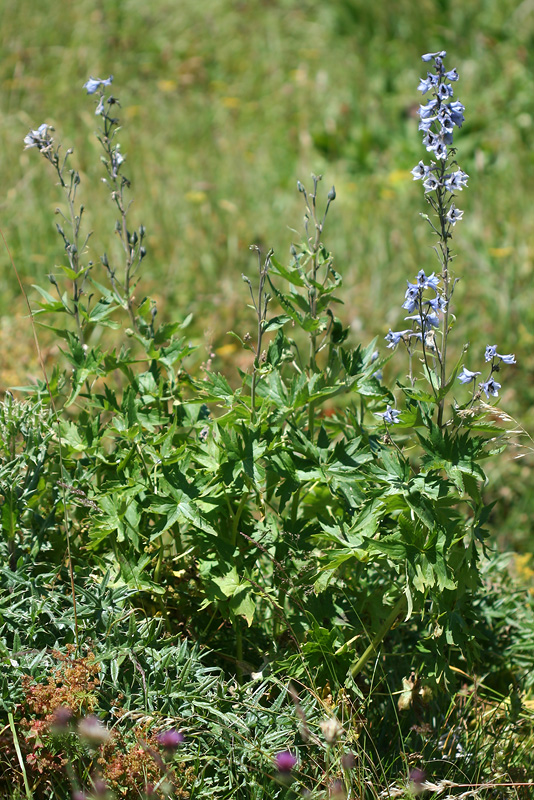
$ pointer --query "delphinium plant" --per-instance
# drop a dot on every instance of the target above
(296, 521)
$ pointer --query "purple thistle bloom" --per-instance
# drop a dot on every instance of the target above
(466, 376)
(490, 387)
(285, 761)
(170, 739)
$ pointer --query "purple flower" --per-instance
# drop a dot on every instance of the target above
(490, 387)
(170, 739)
(94, 83)
(348, 761)
(390, 415)
(417, 775)
(452, 75)
(510, 359)
(285, 761)
(91, 729)
(466, 376)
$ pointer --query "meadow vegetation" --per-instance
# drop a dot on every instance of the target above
(259, 539)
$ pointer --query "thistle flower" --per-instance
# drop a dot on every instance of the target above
(170, 739)
(285, 761)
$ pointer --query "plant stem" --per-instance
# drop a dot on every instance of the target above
(398, 608)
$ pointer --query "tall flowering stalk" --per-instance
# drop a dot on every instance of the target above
(427, 300)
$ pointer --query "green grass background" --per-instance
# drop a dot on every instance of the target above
(225, 105)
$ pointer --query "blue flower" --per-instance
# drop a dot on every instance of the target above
(452, 75)
(432, 281)
(427, 83)
(456, 181)
(420, 171)
(394, 337)
(94, 83)
(428, 110)
(490, 387)
(456, 110)
(444, 91)
(39, 138)
(431, 183)
(454, 214)
(491, 352)
(466, 376)
(429, 56)
(391, 416)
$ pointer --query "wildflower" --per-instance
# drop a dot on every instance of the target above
(91, 729)
(454, 215)
(420, 171)
(39, 138)
(348, 761)
(417, 778)
(394, 337)
(429, 56)
(490, 387)
(456, 110)
(427, 282)
(456, 181)
(95, 83)
(285, 761)
(331, 729)
(426, 84)
(491, 352)
(466, 376)
(170, 739)
(431, 183)
(390, 415)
